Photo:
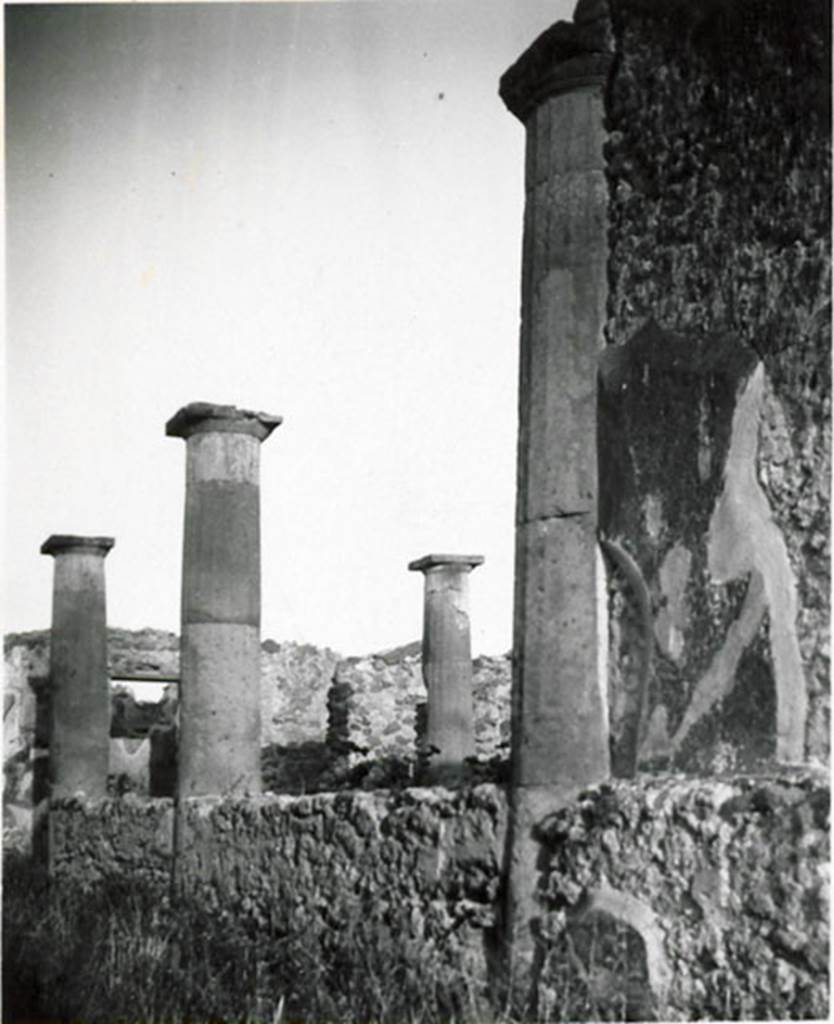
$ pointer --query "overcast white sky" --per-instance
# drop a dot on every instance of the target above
(312, 209)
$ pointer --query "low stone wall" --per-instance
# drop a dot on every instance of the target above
(128, 836)
(234, 849)
(666, 898)
(417, 867)
(723, 883)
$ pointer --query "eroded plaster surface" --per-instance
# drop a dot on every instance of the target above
(671, 618)
(638, 915)
(744, 541)
(720, 232)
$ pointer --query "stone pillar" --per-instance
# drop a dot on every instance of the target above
(162, 760)
(219, 737)
(447, 663)
(40, 746)
(39, 760)
(559, 714)
(79, 691)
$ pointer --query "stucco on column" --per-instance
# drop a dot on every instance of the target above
(447, 662)
(219, 747)
(79, 689)
(559, 713)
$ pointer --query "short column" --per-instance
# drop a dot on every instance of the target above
(447, 663)
(219, 736)
(162, 760)
(79, 741)
(40, 686)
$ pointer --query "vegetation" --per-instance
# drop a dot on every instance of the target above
(312, 767)
(126, 953)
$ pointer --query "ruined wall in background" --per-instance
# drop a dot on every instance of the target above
(715, 414)
(326, 721)
(668, 898)
(377, 705)
(26, 658)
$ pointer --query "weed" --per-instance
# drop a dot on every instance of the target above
(125, 953)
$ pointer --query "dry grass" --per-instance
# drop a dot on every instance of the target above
(124, 953)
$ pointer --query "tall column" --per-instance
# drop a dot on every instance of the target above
(79, 690)
(447, 662)
(559, 714)
(219, 737)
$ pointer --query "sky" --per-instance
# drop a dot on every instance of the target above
(311, 209)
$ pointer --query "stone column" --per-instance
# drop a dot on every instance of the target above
(79, 691)
(162, 760)
(559, 714)
(219, 737)
(40, 746)
(447, 663)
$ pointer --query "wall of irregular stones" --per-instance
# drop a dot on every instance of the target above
(716, 386)
(668, 898)
(721, 885)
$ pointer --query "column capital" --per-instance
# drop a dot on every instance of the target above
(208, 417)
(566, 56)
(463, 562)
(61, 543)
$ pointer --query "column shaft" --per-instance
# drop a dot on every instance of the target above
(219, 736)
(559, 712)
(560, 721)
(447, 663)
(40, 746)
(79, 691)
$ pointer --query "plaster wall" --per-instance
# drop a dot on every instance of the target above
(715, 415)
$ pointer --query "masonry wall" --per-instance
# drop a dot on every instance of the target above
(670, 898)
(716, 387)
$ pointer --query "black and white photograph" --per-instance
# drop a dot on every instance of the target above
(417, 555)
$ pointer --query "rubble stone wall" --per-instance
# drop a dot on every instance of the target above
(664, 898)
